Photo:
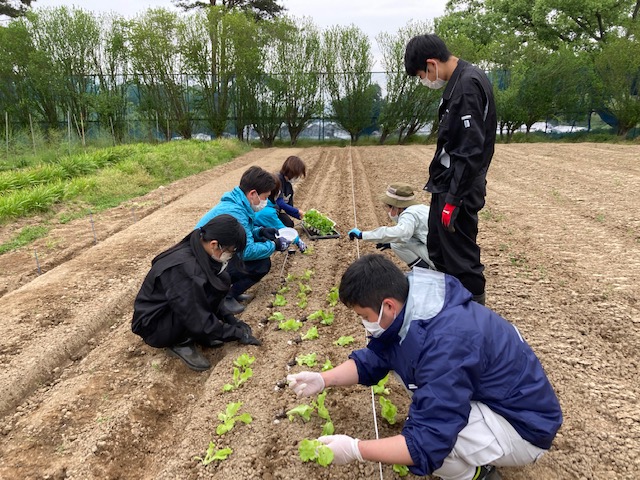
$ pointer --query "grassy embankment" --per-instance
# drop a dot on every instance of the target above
(96, 179)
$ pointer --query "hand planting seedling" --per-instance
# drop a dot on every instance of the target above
(344, 341)
(311, 334)
(326, 318)
(213, 454)
(308, 360)
(279, 301)
(230, 417)
(379, 388)
(333, 296)
(315, 451)
(290, 325)
(388, 410)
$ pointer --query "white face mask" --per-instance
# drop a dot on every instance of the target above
(435, 84)
(374, 328)
(293, 181)
(223, 259)
(393, 217)
(260, 206)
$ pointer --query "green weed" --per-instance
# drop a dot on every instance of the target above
(25, 237)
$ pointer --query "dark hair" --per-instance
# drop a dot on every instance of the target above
(371, 279)
(293, 167)
(223, 228)
(276, 191)
(422, 47)
(258, 179)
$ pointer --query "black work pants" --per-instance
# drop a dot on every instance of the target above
(286, 219)
(457, 253)
(247, 275)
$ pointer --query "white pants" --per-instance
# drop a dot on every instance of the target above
(411, 251)
(488, 439)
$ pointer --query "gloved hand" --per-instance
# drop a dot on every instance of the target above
(245, 335)
(269, 233)
(449, 214)
(282, 244)
(345, 448)
(383, 246)
(305, 384)
(302, 246)
(355, 233)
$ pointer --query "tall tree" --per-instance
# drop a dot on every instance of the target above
(14, 8)
(348, 63)
(262, 9)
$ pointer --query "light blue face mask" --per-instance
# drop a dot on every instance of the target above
(374, 328)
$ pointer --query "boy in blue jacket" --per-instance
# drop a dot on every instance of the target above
(269, 217)
(480, 397)
(242, 203)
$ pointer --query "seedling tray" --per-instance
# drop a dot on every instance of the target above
(314, 235)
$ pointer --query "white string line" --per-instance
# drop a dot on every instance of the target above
(355, 225)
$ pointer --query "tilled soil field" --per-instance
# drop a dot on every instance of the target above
(81, 397)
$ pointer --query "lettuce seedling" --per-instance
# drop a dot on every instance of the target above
(291, 278)
(388, 410)
(344, 341)
(304, 288)
(327, 365)
(213, 454)
(303, 411)
(230, 417)
(315, 451)
(239, 377)
(379, 388)
(308, 360)
(279, 301)
(244, 360)
(283, 290)
(333, 296)
(401, 470)
(303, 302)
(309, 250)
(289, 325)
(311, 334)
(323, 413)
(306, 276)
(277, 316)
(326, 318)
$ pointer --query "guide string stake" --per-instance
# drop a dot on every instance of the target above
(355, 225)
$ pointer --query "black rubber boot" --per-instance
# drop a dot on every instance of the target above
(189, 354)
(480, 298)
(232, 305)
(245, 297)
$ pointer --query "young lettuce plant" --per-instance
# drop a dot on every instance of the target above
(333, 296)
(379, 388)
(308, 360)
(401, 470)
(230, 417)
(303, 411)
(388, 410)
(327, 365)
(311, 334)
(279, 301)
(302, 303)
(213, 454)
(306, 276)
(344, 341)
(315, 451)
(290, 325)
(241, 372)
(277, 316)
(284, 289)
(323, 413)
(326, 318)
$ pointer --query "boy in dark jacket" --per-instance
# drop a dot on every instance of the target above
(480, 397)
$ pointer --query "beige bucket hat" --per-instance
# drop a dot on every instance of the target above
(399, 195)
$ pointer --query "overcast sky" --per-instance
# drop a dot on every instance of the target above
(371, 16)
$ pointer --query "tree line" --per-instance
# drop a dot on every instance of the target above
(232, 68)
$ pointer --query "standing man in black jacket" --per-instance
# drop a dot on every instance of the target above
(457, 174)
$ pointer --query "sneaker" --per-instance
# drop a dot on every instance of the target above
(232, 305)
(486, 472)
(189, 354)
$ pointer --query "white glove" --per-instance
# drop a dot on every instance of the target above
(345, 449)
(306, 384)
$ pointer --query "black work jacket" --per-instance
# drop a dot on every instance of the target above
(466, 134)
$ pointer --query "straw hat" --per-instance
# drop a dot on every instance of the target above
(399, 195)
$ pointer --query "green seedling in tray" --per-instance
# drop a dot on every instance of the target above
(318, 222)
